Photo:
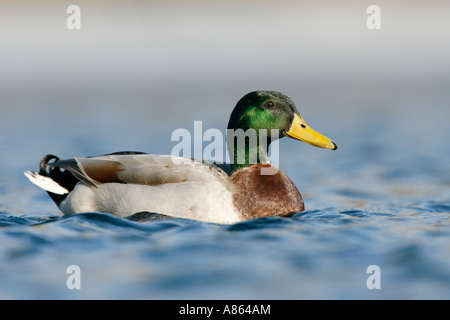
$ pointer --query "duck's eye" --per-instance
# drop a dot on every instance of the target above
(269, 105)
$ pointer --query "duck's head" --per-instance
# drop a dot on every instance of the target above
(258, 190)
(269, 110)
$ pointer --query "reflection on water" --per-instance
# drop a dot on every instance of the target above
(381, 199)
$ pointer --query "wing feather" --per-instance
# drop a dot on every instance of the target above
(146, 169)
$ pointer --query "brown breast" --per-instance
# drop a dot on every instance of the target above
(262, 195)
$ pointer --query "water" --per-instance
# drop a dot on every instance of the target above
(374, 201)
(315, 254)
(382, 198)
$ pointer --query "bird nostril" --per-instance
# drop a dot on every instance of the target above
(303, 126)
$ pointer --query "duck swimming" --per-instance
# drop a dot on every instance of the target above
(125, 183)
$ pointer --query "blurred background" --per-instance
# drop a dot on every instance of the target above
(143, 68)
(137, 70)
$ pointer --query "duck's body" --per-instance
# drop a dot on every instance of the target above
(125, 183)
(130, 183)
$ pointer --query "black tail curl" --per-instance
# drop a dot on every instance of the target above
(64, 178)
(44, 164)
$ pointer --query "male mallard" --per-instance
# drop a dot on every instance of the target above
(125, 183)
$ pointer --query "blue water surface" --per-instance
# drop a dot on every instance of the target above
(136, 71)
(381, 199)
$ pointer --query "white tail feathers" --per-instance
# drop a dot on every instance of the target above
(45, 183)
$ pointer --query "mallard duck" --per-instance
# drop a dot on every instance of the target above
(125, 183)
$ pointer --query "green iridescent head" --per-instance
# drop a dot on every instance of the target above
(263, 110)
(266, 113)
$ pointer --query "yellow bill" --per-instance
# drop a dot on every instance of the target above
(301, 131)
